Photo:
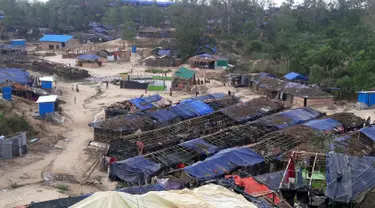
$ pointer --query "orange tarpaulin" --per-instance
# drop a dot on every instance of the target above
(252, 187)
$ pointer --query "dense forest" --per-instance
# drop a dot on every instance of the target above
(333, 43)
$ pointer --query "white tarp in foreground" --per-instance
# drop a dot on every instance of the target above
(208, 196)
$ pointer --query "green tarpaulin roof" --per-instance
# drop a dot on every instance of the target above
(184, 73)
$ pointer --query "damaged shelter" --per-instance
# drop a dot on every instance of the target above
(136, 104)
(89, 61)
(164, 57)
(171, 135)
(158, 118)
(197, 149)
(208, 61)
(12, 50)
(183, 79)
(292, 94)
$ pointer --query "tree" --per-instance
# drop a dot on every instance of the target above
(128, 31)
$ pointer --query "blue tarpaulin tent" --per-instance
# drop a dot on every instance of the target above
(289, 117)
(347, 176)
(136, 170)
(14, 74)
(223, 162)
(325, 124)
(295, 76)
(144, 103)
(201, 146)
(163, 115)
(192, 109)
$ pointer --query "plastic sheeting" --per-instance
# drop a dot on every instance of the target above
(369, 132)
(145, 102)
(208, 196)
(326, 124)
(294, 76)
(347, 176)
(88, 57)
(58, 203)
(143, 189)
(201, 146)
(134, 170)
(163, 115)
(14, 74)
(271, 180)
(253, 187)
(205, 98)
(289, 118)
(192, 109)
(223, 162)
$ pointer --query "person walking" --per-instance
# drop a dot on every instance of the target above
(75, 100)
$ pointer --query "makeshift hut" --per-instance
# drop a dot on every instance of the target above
(15, 75)
(12, 50)
(197, 149)
(56, 42)
(89, 60)
(366, 99)
(305, 96)
(136, 104)
(184, 79)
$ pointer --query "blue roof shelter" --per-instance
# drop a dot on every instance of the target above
(46, 104)
(56, 38)
(366, 97)
(292, 76)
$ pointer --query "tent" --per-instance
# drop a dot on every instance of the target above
(295, 76)
(223, 162)
(326, 124)
(209, 196)
(289, 117)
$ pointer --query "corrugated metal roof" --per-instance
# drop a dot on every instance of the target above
(47, 79)
(47, 99)
(56, 38)
(184, 73)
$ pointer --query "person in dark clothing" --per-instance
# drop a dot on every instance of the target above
(229, 93)
(77, 88)
(106, 84)
(196, 93)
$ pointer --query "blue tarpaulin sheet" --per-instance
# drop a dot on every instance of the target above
(134, 170)
(143, 189)
(88, 57)
(294, 76)
(289, 118)
(144, 103)
(369, 132)
(164, 52)
(349, 176)
(271, 180)
(206, 98)
(201, 146)
(192, 109)
(14, 74)
(223, 162)
(163, 115)
(262, 75)
(325, 124)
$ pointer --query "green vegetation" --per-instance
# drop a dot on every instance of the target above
(13, 124)
(332, 43)
(62, 187)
